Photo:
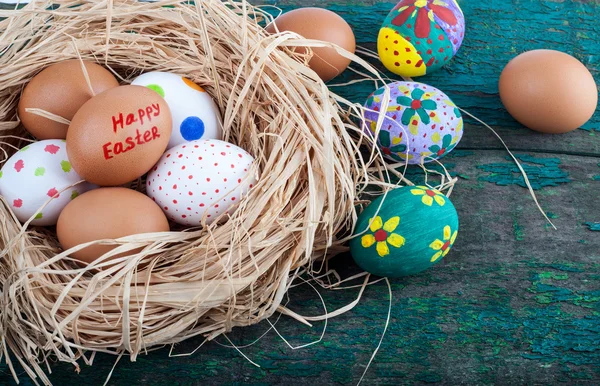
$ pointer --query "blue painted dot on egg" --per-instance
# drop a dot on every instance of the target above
(192, 128)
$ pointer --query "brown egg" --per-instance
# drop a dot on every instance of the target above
(107, 213)
(320, 24)
(61, 89)
(119, 135)
(548, 91)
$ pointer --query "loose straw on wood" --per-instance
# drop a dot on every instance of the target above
(202, 281)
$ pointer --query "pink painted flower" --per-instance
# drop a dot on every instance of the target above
(53, 193)
(19, 165)
(52, 149)
(425, 10)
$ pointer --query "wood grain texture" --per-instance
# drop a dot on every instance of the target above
(514, 303)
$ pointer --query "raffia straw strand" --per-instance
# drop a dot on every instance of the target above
(47, 115)
(387, 323)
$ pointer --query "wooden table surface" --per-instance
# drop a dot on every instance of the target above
(516, 302)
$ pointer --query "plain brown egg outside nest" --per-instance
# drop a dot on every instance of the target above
(548, 91)
(324, 25)
(61, 89)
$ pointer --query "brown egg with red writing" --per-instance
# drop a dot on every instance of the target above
(61, 89)
(118, 136)
(319, 24)
(107, 214)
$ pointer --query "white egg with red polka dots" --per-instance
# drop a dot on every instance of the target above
(34, 175)
(195, 114)
(200, 178)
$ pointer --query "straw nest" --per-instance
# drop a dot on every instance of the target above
(192, 282)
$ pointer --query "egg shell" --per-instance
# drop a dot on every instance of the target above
(207, 177)
(319, 24)
(421, 122)
(107, 214)
(413, 229)
(419, 37)
(118, 135)
(61, 89)
(195, 114)
(548, 91)
(35, 174)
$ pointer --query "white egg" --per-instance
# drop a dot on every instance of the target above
(35, 174)
(195, 114)
(200, 178)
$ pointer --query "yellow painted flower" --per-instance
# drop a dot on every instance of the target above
(449, 102)
(459, 128)
(405, 156)
(443, 247)
(429, 195)
(382, 235)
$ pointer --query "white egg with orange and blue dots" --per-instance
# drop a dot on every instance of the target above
(200, 178)
(34, 175)
(195, 114)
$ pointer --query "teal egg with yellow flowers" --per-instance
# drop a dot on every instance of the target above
(405, 232)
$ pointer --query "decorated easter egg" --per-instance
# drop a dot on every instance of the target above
(118, 135)
(200, 180)
(420, 36)
(421, 123)
(410, 231)
(195, 114)
(34, 175)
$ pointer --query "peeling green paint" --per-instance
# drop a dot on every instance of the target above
(594, 226)
(518, 231)
(460, 153)
(541, 172)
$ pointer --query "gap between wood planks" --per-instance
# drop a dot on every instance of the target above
(537, 151)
